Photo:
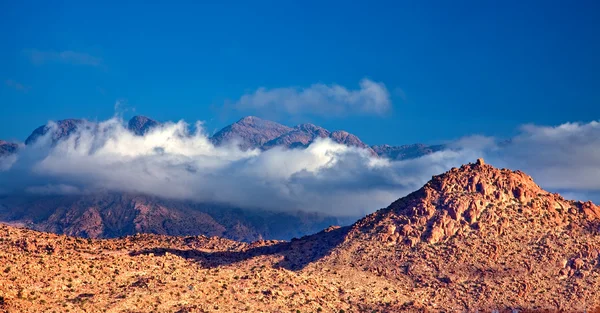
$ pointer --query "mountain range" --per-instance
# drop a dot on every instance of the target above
(249, 133)
(106, 215)
(473, 239)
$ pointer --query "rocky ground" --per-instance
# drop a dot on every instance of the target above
(474, 239)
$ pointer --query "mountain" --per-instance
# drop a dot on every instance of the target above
(299, 137)
(140, 125)
(64, 128)
(405, 152)
(478, 237)
(7, 148)
(251, 131)
(254, 132)
(109, 215)
(106, 215)
(304, 134)
(474, 239)
(350, 140)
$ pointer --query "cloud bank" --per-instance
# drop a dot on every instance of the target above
(372, 98)
(178, 161)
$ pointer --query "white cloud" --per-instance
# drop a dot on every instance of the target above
(50, 189)
(565, 157)
(173, 162)
(319, 99)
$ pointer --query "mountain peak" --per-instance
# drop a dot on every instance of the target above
(251, 131)
(140, 125)
(250, 120)
(64, 128)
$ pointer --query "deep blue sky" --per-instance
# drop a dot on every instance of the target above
(480, 67)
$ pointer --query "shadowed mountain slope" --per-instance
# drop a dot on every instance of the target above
(107, 215)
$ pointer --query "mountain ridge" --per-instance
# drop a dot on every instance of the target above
(110, 215)
(249, 132)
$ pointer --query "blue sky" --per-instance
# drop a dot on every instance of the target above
(451, 68)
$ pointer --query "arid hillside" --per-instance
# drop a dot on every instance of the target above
(476, 238)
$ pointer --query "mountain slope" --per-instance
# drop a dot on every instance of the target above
(304, 134)
(251, 131)
(108, 215)
(299, 137)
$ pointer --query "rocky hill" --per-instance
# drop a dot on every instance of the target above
(473, 239)
(481, 237)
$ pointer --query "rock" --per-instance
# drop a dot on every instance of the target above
(590, 210)
(577, 263)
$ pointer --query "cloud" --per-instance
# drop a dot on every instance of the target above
(178, 161)
(67, 56)
(372, 98)
(49, 189)
(16, 85)
(564, 157)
